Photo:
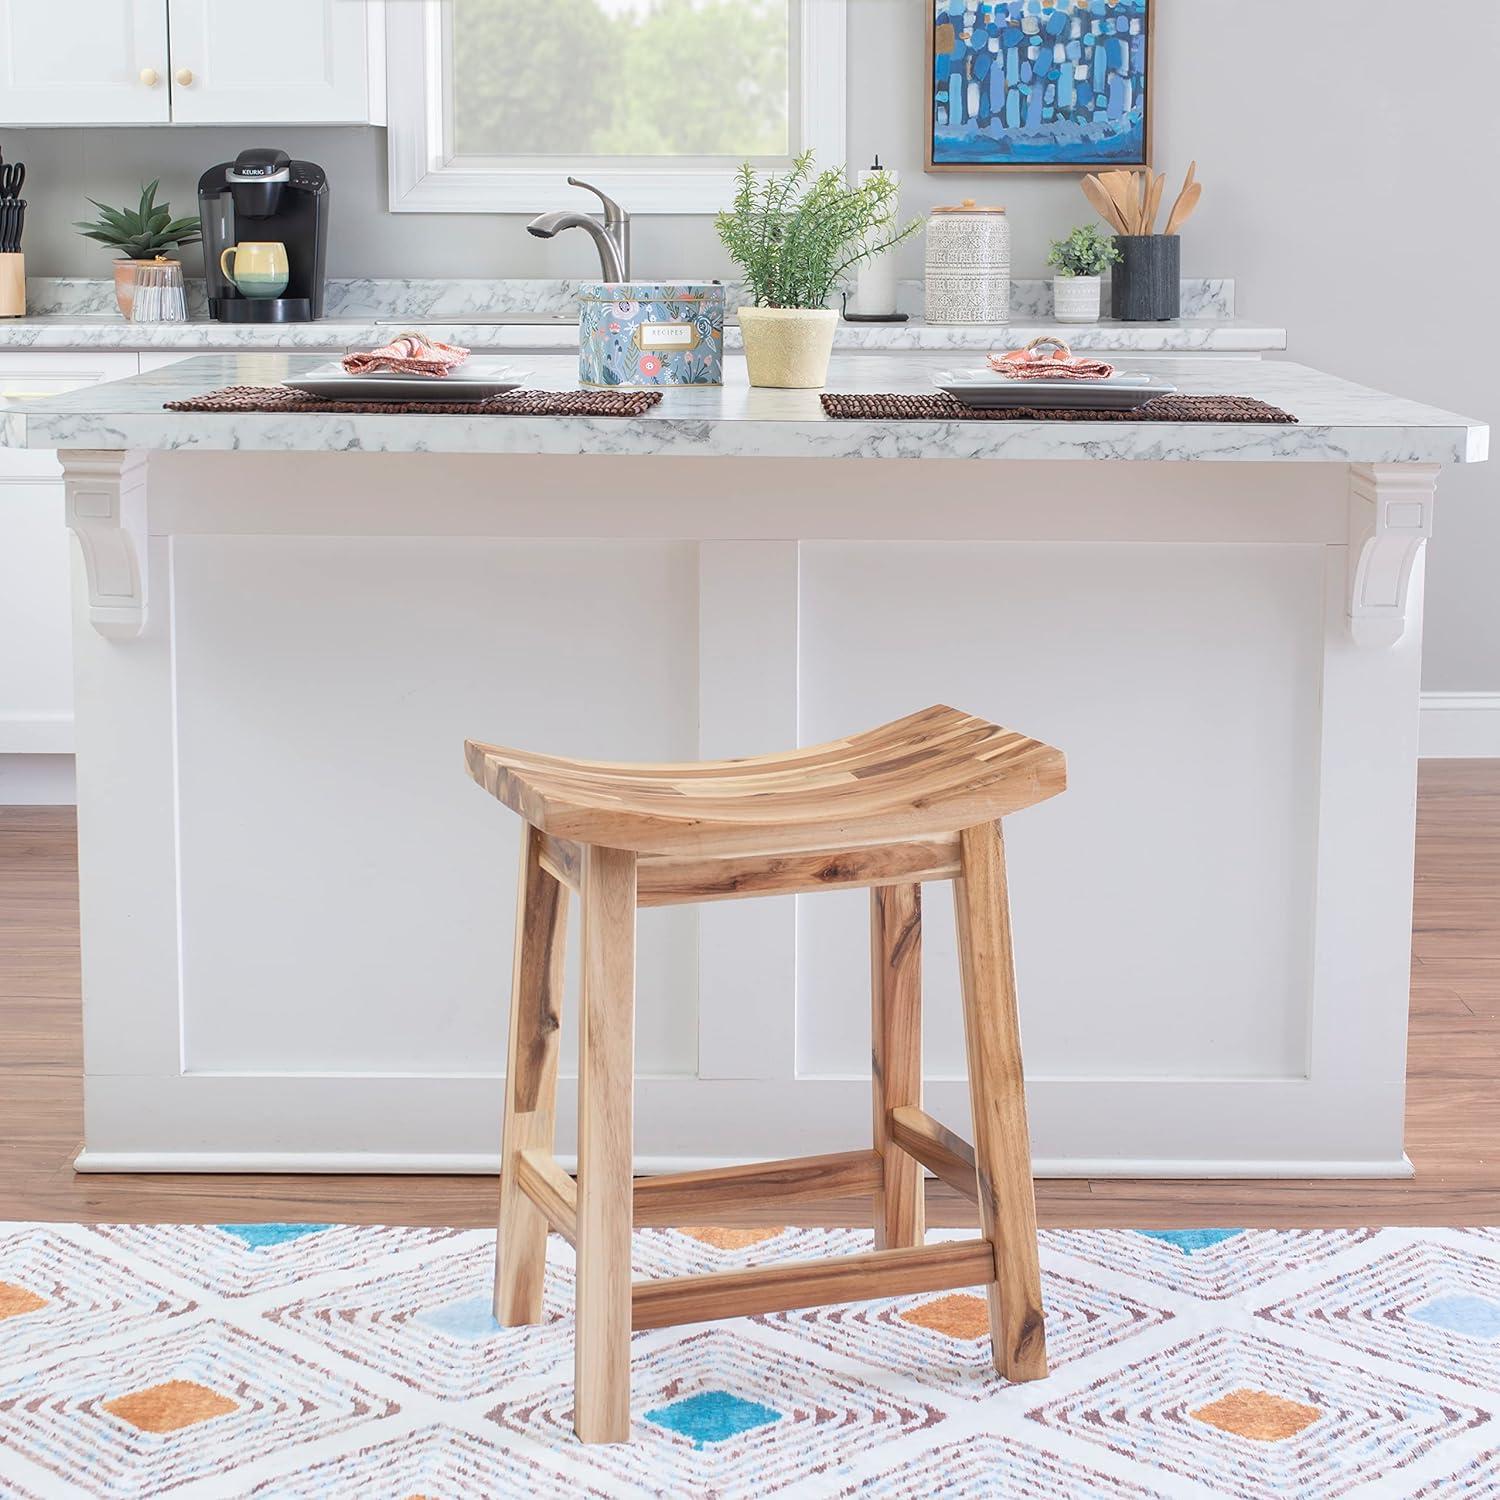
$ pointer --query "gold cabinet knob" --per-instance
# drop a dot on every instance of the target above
(185, 77)
(150, 77)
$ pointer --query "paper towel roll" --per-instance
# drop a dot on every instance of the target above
(875, 279)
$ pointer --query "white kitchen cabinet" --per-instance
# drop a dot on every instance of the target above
(273, 62)
(199, 62)
(86, 62)
(36, 664)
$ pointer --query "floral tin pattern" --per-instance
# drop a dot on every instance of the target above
(650, 334)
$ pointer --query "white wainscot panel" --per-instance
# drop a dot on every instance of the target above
(348, 904)
(1163, 905)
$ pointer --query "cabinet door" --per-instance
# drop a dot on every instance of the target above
(276, 62)
(86, 62)
(36, 662)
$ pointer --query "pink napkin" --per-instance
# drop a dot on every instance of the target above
(1048, 359)
(411, 354)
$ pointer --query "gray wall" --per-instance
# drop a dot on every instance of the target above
(1345, 161)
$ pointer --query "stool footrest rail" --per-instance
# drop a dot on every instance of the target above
(849, 1278)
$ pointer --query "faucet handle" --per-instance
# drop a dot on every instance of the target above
(613, 213)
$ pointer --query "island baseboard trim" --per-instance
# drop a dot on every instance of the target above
(1460, 726)
(481, 1164)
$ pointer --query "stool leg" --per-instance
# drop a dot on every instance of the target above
(530, 1082)
(896, 1055)
(1002, 1141)
(606, 1086)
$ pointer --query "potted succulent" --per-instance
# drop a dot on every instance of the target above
(1080, 260)
(793, 236)
(140, 234)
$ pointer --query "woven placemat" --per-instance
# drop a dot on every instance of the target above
(277, 400)
(944, 408)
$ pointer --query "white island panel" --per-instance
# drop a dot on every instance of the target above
(1163, 905)
(346, 890)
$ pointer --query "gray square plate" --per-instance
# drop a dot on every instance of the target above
(474, 380)
(983, 388)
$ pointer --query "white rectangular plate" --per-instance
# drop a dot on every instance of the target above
(474, 380)
(984, 388)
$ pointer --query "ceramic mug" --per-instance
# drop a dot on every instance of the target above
(260, 268)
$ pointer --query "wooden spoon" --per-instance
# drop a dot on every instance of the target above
(1102, 203)
(1182, 211)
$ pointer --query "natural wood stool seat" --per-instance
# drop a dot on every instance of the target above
(916, 800)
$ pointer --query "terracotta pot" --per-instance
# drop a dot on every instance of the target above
(788, 347)
(125, 286)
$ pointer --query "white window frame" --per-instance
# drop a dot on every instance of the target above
(423, 181)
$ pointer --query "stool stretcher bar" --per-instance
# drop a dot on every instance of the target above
(944, 1154)
(694, 1197)
(848, 1278)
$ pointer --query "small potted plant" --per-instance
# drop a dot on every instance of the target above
(793, 236)
(139, 234)
(1080, 260)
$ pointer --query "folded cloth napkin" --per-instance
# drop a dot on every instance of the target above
(1035, 362)
(411, 354)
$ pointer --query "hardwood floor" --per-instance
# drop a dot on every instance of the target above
(1453, 1109)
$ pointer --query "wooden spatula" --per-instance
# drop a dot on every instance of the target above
(1102, 203)
(1118, 186)
(1153, 202)
(1182, 210)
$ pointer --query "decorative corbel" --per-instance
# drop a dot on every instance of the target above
(106, 511)
(1390, 519)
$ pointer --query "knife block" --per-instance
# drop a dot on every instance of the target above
(12, 285)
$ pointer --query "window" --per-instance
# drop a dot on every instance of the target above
(492, 103)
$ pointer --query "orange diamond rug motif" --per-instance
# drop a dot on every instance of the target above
(15, 1300)
(961, 1315)
(731, 1239)
(170, 1406)
(1258, 1415)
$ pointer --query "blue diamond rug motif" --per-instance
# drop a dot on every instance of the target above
(1189, 1240)
(1459, 1312)
(712, 1417)
(262, 1236)
(471, 1318)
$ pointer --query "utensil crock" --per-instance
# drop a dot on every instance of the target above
(1147, 280)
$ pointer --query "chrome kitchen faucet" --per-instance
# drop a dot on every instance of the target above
(612, 236)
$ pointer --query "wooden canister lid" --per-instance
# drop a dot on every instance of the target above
(968, 206)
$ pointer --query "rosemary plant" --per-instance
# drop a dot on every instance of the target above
(794, 235)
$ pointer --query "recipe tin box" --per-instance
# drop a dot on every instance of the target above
(647, 334)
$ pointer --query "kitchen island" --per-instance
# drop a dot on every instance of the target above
(295, 906)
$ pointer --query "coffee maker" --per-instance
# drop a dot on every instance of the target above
(263, 195)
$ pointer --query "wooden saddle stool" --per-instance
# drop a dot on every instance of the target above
(917, 800)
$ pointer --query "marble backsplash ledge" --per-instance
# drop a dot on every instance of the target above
(417, 298)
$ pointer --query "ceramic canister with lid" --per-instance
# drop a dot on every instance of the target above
(968, 264)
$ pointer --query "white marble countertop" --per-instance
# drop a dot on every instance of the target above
(547, 331)
(1338, 420)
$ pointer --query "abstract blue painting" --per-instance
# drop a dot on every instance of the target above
(1040, 85)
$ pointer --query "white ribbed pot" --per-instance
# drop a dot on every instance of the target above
(1075, 299)
(788, 347)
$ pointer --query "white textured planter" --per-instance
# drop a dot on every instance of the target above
(1075, 299)
(788, 347)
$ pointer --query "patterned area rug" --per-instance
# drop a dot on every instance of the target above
(282, 1360)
